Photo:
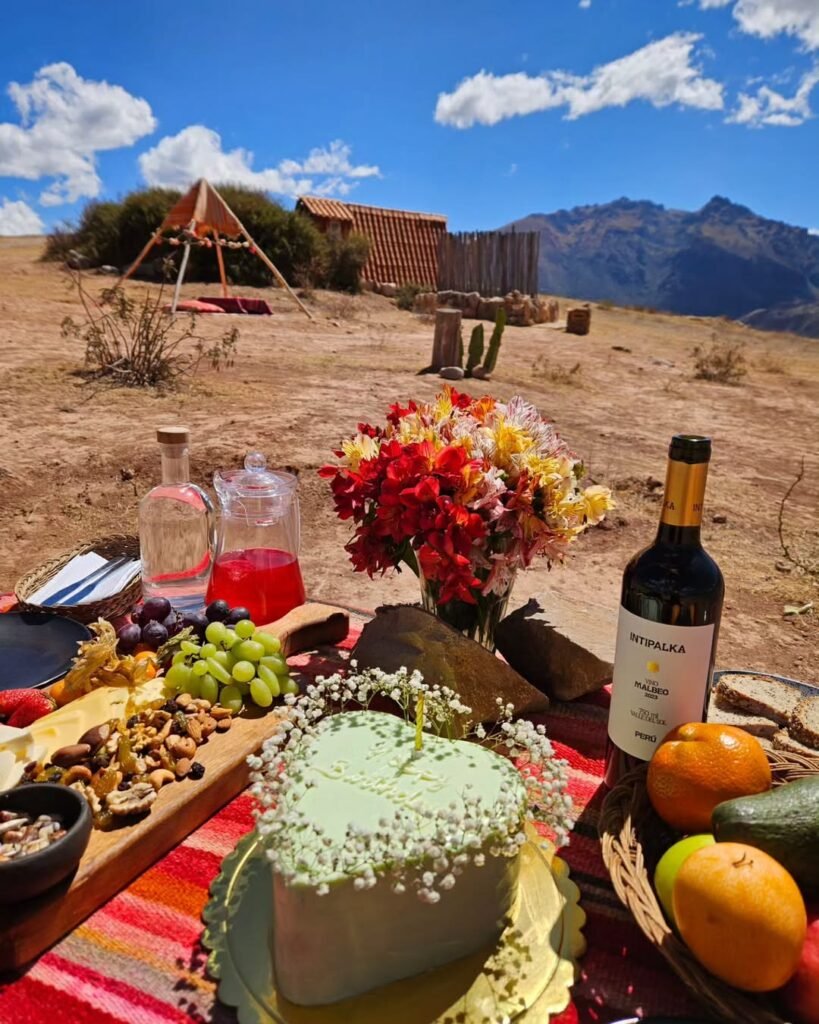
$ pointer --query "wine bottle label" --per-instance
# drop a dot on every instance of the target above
(660, 680)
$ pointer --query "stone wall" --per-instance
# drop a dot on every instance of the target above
(521, 310)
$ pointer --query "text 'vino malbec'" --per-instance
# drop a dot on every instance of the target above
(669, 619)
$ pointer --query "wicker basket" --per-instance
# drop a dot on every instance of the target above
(633, 839)
(109, 607)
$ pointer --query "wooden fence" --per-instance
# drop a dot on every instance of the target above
(489, 262)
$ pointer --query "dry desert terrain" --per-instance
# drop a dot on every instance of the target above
(75, 459)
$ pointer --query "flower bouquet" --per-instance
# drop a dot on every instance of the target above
(465, 491)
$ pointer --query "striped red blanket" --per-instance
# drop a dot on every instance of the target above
(138, 959)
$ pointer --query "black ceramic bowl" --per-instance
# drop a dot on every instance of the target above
(38, 648)
(33, 873)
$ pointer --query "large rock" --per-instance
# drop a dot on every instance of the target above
(77, 260)
(546, 656)
(488, 308)
(388, 289)
(407, 636)
(451, 373)
(425, 302)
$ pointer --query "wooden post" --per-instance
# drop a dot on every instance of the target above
(446, 344)
(182, 270)
(221, 263)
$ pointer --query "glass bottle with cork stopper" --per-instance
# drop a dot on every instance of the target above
(176, 529)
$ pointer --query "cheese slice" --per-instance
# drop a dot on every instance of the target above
(17, 748)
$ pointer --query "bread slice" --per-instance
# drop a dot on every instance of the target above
(782, 740)
(762, 695)
(756, 725)
(804, 722)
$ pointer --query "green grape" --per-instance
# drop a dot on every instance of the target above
(177, 675)
(208, 650)
(243, 688)
(209, 689)
(229, 639)
(231, 698)
(222, 657)
(249, 650)
(215, 632)
(289, 685)
(193, 686)
(179, 658)
(199, 668)
(245, 628)
(275, 662)
(188, 647)
(218, 671)
(243, 671)
(260, 693)
(270, 679)
(271, 644)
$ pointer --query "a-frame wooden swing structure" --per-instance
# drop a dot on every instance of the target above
(203, 216)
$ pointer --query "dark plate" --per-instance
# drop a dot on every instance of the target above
(37, 648)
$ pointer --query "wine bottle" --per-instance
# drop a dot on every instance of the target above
(670, 608)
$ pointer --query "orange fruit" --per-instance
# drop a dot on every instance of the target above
(150, 657)
(741, 915)
(699, 765)
(57, 691)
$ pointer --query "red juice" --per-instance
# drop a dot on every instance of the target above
(266, 581)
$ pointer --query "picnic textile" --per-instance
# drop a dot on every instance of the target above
(138, 959)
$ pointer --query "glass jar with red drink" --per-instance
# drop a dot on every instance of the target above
(257, 548)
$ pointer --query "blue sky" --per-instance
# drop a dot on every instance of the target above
(484, 111)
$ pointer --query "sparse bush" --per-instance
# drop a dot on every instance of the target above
(542, 369)
(345, 261)
(341, 307)
(723, 362)
(130, 343)
(405, 298)
(770, 362)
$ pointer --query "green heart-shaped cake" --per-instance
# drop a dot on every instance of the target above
(388, 860)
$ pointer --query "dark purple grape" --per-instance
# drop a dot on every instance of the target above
(217, 611)
(137, 616)
(128, 637)
(172, 623)
(154, 634)
(156, 609)
(197, 622)
(236, 615)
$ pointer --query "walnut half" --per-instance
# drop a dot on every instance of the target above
(137, 799)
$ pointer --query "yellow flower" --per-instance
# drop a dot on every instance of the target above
(359, 448)
(598, 501)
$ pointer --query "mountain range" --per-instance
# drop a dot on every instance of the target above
(722, 260)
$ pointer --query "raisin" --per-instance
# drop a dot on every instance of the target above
(123, 786)
(132, 722)
(170, 706)
(197, 770)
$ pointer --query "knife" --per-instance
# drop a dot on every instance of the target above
(82, 588)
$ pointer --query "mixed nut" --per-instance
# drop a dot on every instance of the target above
(120, 766)
(20, 834)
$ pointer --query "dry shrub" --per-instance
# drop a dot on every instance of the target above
(798, 534)
(340, 306)
(723, 362)
(770, 362)
(135, 344)
(542, 369)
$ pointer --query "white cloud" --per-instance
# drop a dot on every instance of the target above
(769, 107)
(18, 218)
(65, 121)
(661, 73)
(585, 4)
(813, 231)
(768, 18)
(196, 152)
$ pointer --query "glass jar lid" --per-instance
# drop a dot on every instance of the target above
(255, 480)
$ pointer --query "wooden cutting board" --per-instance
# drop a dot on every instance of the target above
(113, 859)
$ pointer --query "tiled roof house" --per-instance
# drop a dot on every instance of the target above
(403, 244)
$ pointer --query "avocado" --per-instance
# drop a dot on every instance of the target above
(783, 822)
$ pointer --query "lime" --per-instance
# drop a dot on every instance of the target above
(670, 863)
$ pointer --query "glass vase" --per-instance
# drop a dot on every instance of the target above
(477, 621)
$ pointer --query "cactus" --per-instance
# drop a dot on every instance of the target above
(460, 347)
(475, 350)
(495, 341)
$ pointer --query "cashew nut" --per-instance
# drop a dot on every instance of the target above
(159, 777)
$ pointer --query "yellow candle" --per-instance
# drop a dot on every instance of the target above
(419, 722)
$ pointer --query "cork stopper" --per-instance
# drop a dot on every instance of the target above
(173, 435)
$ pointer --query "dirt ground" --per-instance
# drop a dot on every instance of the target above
(75, 460)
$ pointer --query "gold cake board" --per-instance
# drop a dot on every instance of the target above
(525, 978)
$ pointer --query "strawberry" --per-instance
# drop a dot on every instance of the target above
(22, 707)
